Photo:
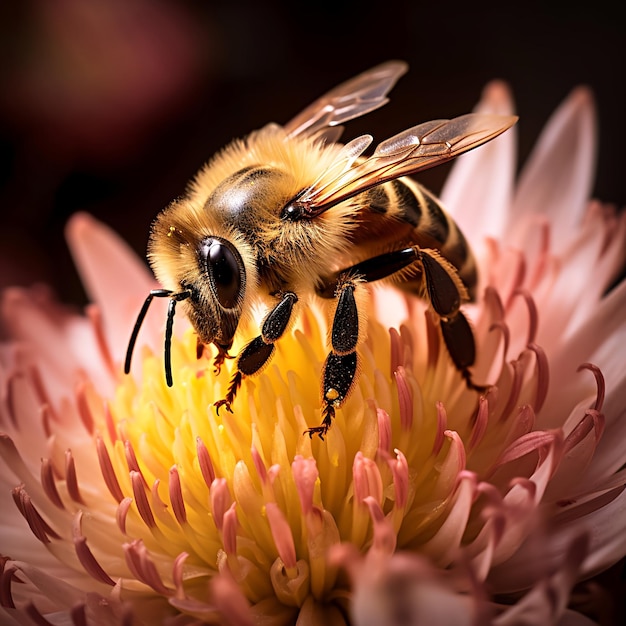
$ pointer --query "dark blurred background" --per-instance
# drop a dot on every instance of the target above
(110, 106)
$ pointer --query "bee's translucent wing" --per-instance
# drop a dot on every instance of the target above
(357, 96)
(410, 151)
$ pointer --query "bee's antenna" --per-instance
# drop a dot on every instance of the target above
(171, 310)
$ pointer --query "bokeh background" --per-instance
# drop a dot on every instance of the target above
(110, 106)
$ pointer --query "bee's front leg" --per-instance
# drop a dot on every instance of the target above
(220, 357)
(256, 354)
(341, 364)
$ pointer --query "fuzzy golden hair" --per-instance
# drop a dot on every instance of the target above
(305, 247)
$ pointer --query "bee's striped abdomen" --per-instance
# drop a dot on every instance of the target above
(408, 201)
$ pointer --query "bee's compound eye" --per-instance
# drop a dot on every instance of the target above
(225, 269)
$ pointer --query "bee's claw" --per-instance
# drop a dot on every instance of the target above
(220, 357)
(320, 431)
(220, 403)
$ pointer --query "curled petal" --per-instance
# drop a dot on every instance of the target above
(229, 530)
(204, 460)
(367, 479)
(400, 469)
(49, 485)
(141, 500)
(384, 535)
(86, 557)
(140, 563)
(599, 382)
(39, 527)
(281, 532)
(108, 473)
(447, 540)
(305, 474)
(176, 496)
(404, 399)
(384, 430)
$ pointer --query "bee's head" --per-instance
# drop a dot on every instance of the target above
(205, 267)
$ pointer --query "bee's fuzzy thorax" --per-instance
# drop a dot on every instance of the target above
(304, 248)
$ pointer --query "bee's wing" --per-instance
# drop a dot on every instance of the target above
(408, 152)
(355, 97)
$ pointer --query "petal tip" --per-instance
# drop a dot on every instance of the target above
(497, 97)
(77, 223)
(582, 96)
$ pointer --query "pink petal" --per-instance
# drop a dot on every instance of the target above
(479, 188)
(451, 465)
(385, 540)
(589, 265)
(231, 601)
(220, 500)
(229, 530)
(367, 479)
(520, 504)
(384, 430)
(610, 453)
(406, 589)
(556, 181)
(447, 540)
(305, 475)
(605, 524)
(50, 585)
(400, 470)
(550, 595)
(594, 341)
(116, 280)
(281, 533)
(176, 496)
(575, 293)
(36, 325)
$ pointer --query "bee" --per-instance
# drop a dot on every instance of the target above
(289, 215)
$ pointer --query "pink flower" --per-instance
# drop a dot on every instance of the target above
(136, 503)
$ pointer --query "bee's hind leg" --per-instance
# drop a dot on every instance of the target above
(443, 288)
(446, 292)
(257, 353)
(459, 339)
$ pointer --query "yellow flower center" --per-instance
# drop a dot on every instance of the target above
(248, 492)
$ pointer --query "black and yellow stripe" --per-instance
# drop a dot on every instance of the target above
(406, 200)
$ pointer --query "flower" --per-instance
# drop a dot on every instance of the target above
(426, 503)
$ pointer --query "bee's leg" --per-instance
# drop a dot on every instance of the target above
(220, 357)
(256, 354)
(341, 364)
(459, 339)
(446, 292)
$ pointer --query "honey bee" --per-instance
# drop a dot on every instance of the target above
(289, 215)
